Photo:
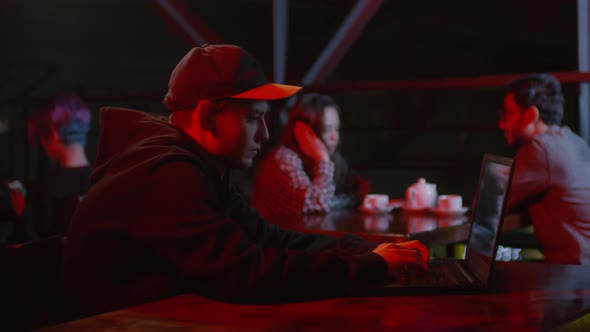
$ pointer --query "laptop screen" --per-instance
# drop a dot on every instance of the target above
(494, 182)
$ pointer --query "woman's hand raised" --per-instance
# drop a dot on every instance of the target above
(309, 143)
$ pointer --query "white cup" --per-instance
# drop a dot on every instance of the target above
(450, 202)
(375, 201)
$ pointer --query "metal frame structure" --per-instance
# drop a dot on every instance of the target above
(190, 27)
(344, 38)
(197, 33)
(584, 67)
(280, 20)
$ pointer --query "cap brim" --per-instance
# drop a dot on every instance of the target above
(270, 91)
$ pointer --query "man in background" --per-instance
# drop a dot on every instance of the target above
(552, 168)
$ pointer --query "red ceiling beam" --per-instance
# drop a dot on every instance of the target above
(342, 40)
(492, 81)
(188, 25)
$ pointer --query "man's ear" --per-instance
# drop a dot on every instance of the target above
(530, 115)
(206, 113)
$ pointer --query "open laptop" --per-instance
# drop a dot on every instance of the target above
(473, 272)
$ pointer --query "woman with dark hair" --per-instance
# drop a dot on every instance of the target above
(306, 173)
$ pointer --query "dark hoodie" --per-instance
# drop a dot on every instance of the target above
(160, 220)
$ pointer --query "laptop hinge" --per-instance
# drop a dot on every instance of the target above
(468, 276)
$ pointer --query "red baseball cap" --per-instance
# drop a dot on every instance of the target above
(213, 72)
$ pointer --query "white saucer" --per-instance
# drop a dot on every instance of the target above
(383, 210)
(445, 212)
(413, 209)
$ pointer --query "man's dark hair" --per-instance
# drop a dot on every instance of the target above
(542, 91)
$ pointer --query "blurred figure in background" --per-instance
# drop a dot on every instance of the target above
(306, 173)
(61, 126)
(552, 168)
(12, 204)
(12, 201)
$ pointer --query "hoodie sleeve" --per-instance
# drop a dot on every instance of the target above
(180, 221)
(269, 235)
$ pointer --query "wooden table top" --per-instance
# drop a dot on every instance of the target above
(426, 227)
(523, 297)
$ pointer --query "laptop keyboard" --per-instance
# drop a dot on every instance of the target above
(448, 270)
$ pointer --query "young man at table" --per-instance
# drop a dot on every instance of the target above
(552, 168)
(160, 218)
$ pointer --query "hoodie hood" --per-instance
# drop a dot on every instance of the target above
(128, 137)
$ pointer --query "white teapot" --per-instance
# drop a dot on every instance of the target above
(421, 195)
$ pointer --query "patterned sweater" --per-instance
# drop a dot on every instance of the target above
(283, 187)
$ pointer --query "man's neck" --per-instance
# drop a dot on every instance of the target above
(540, 128)
(537, 128)
(205, 143)
(218, 165)
(73, 156)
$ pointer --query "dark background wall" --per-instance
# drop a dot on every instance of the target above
(120, 52)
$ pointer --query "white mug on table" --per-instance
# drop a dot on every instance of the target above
(375, 201)
(450, 202)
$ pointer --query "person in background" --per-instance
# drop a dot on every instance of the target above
(306, 173)
(61, 126)
(12, 202)
(161, 219)
(552, 168)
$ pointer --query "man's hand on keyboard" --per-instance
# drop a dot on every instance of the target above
(403, 258)
(416, 245)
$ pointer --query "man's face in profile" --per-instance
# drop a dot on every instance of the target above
(240, 129)
(511, 121)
